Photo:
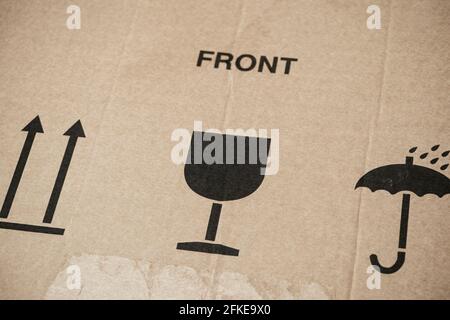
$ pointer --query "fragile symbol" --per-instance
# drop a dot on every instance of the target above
(35, 126)
(404, 177)
(223, 181)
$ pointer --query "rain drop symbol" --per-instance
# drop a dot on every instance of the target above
(434, 148)
(423, 155)
(446, 153)
(445, 166)
(434, 160)
(412, 150)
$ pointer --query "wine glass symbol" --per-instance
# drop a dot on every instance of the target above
(236, 171)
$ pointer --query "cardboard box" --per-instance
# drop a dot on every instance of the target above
(367, 85)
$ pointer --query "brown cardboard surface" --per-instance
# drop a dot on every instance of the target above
(355, 100)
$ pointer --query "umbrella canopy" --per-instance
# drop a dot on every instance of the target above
(406, 177)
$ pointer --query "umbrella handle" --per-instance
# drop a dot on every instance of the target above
(394, 268)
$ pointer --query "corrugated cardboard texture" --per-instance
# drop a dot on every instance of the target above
(355, 100)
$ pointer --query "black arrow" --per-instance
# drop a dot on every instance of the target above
(75, 132)
(32, 128)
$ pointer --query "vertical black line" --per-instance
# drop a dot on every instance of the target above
(17, 176)
(59, 182)
(409, 161)
(213, 222)
(404, 222)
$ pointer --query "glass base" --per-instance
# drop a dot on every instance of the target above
(208, 247)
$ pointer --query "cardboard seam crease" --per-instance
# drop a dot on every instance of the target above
(109, 100)
(214, 259)
(370, 135)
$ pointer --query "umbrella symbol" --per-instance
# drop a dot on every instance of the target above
(398, 178)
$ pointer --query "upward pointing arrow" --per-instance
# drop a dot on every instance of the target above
(74, 132)
(32, 128)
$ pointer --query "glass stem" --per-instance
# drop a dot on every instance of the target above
(213, 222)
